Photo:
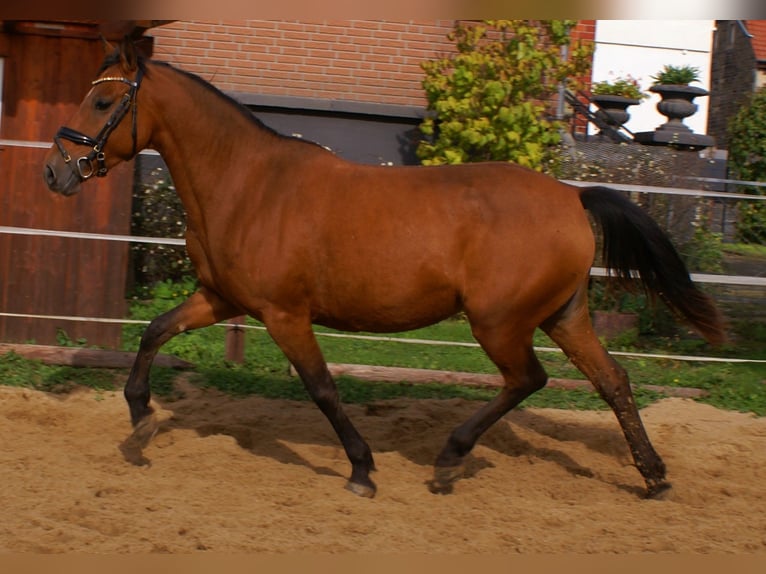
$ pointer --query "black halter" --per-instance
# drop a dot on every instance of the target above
(84, 165)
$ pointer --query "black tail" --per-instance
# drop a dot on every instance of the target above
(634, 242)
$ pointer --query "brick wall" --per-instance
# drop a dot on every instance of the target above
(356, 60)
(353, 60)
(585, 30)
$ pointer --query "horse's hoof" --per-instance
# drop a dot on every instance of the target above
(364, 490)
(133, 454)
(658, 491)
(436, 487)
(445, 478)
(144, 431)
(132, 447)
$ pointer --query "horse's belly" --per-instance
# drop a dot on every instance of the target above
(387, 314)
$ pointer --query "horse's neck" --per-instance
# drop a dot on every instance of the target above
(204, 140)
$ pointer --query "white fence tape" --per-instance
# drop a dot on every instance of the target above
(719, 180)
(47, 145)
(595, 271)
(668, 190)
(99, 236)
(386, 339)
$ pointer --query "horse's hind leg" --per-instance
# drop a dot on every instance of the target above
(571, 329)
(295, 337)
(203, 308)
(523, 375)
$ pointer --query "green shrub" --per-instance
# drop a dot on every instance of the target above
(704, 253)
(747, 161)
(488, 97)
(678, 75)
(158, 212)
(751, 224)
(627, 87)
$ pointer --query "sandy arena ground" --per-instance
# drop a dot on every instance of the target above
(256, 475)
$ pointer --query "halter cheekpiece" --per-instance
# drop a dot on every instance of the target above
(84, 165)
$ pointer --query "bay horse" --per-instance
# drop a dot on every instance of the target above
(287, 232)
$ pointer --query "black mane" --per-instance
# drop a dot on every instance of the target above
(211, 88)
(114, 59)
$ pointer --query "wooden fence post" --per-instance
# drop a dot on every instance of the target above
(235, 340)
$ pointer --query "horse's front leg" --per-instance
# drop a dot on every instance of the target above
(295, 337)
(203, 308)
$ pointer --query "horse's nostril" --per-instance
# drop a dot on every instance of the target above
(49, 176)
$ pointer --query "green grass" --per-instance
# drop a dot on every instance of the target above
(264, 372)
(748, 249)
(15, 371)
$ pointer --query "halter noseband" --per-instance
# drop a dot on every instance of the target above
(84, 165)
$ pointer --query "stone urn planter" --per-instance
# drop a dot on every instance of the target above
(613, 109)
(676, 104)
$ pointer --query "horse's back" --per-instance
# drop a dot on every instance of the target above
(465, 218)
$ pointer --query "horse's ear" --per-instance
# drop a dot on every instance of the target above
(128, 55)
(108, 48)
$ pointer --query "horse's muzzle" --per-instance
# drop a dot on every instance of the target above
(63, 181)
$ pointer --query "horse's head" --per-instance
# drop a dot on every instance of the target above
(105, 130)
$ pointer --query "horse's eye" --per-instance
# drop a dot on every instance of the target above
(103, 104)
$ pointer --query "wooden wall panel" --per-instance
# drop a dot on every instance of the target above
(45, 80)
